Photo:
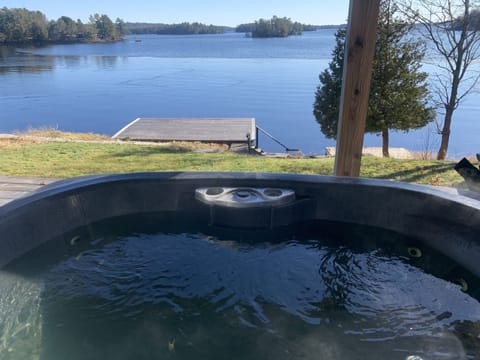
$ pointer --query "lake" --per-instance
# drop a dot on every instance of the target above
(102, 87)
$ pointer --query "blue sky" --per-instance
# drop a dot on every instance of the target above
(218, 12)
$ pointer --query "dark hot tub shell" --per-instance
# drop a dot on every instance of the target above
(447, 222)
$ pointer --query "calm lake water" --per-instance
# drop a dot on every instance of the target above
(102, 87)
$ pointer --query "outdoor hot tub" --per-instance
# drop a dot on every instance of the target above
(239, 266)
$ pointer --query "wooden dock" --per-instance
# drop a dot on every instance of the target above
(212, 130)
(13, 187)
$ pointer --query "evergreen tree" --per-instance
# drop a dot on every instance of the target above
(121, 27)
(38, 28)
(64, 29)
(22, 25)
(85, 31)
(398, 95)
(327, 97)
(105, 27)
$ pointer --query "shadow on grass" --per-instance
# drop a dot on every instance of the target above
(147, 151)
(418, 173)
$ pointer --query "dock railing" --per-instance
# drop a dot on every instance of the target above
(259, 129)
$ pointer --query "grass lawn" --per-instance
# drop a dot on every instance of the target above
(67, 159)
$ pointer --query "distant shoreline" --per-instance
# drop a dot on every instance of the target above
(62, 42)
(134, 33)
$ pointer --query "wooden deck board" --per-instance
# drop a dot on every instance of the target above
(226, 130)
(14, 187)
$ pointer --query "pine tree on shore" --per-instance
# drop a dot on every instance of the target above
(399, 97)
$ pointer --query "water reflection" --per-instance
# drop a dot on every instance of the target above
(71, 62)
(6, 52)
(14, 61)
(106, 62)
(417, 321)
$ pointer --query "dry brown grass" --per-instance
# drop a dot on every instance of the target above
(423, 155)
(472, 159)
(199, 146)
(15, 143)
(52, 133)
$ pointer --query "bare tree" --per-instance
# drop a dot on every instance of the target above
(450, 26)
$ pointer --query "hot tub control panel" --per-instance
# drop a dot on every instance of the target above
(245, 197)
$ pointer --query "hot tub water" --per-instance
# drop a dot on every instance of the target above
(136, 289)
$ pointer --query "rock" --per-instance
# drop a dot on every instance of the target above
(395, 153)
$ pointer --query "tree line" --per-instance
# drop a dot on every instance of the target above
(184, 28)
(274, 27)
(25, 26)
(18, 25)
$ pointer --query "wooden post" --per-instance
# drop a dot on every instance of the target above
(357, 70)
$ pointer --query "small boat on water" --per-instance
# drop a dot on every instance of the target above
(137, 39)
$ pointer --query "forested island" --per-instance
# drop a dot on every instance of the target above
(274, 27)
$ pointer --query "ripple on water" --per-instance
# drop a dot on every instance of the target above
(218, 297)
